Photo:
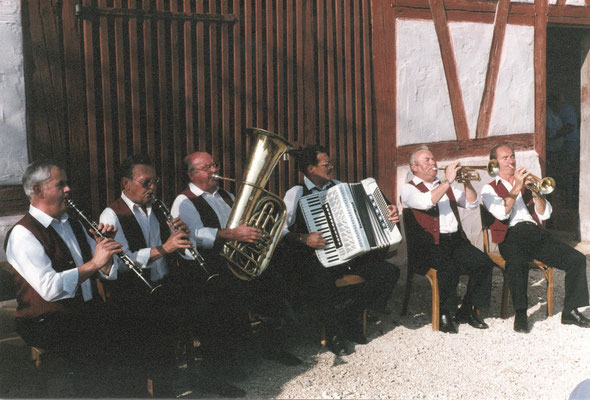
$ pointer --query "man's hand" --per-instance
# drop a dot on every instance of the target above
(243, 233)
(177, 240)
(393, 215)
(520, 176)
(105, 250)
(179, 225)
(451, 171)
(314, 240)
(107, 230)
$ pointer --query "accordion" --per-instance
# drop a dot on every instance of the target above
(352, 219)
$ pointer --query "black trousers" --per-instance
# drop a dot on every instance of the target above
(526, 241)
(451, 257)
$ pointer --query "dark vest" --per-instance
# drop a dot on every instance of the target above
(429, 220)
(30, 303)
(209, 218)
(500, 228)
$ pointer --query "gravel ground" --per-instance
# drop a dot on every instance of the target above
(406, 359)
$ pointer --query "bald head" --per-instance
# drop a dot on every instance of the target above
(200, 170)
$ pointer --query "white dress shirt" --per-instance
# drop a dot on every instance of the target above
(293, 196)
(151, 233)
(519, 212)
(28, 257)
(412, 197)
(183, 207)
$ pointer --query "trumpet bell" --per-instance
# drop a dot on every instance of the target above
(493, 168)
(547, 185)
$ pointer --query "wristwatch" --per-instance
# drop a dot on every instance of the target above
(446, 181)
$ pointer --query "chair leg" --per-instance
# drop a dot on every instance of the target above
(410, 276)
(505, 297)
(365, 322)
(549, 277)
(432, 278)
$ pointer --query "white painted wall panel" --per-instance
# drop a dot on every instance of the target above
(472, 43)
(575, 3)
(514, 104)
(423, 105)
(13, 145)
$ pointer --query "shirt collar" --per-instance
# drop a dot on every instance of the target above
(45, 219)
(132, 205)
(506, 184)
(198, 191)
(310, 185)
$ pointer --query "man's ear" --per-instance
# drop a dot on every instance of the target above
(37, 188)
(124, 182)
(309, 169)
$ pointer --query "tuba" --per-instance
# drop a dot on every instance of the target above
(256, 206)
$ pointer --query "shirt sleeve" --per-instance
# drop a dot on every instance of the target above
(494, 203)
(412, 197)
(200, 235)
(461, 198)
(548, 210)
(28, 257)
(291, 200)
(140, 257)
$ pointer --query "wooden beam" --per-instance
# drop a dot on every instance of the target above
(526, 19)
(479, 147)
(385, 71)
(540, 61)
(487, 101)
(450, 66)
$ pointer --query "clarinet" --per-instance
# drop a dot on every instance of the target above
(122, 256)
(159, 204)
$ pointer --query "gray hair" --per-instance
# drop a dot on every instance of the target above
(417, 149)
(37, 172)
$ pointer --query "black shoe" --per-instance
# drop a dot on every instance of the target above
(520, 322)
(340, 346)
(574, 317)
(282, 357)
(469, 315)
(446, 324)
(211, 384)
(355, 334)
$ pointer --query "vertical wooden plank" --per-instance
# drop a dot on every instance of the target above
(226, 94)
(331, 75)
(189, 120)
(89, 65)
(291, 68)
(349, 63)
(370, 163)
(540, 62)
(201, 90)
(259, 61)
(322, 72)
(298, 65)
(450, 66)
(340, 136)
(216, 151)
(238, 88)
(107, 110)
(270, 66)
(134, 81)
(384, 65)
(120, 100)
(282, 89)
(163, 101)
(150, 85)
(487, 101)
(76, 112)
(310, 80)
(177, 93)
(359, 133)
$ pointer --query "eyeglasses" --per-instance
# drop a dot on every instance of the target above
(148, 182)
(326, 164)
(208, 167)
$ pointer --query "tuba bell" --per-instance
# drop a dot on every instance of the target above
(256, 206)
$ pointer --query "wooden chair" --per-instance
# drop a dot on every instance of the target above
(486, 221)
(431, 275)
(346, 280)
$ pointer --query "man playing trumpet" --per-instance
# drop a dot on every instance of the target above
(440, 242)
(517, 230)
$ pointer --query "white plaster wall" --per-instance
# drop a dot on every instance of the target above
(514, 101)
(574, 3)
(13, 145)
(470, 219)
(423, 106)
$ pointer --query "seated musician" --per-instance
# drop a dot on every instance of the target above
(206, 209)
(312, 283)
(59, 309)
(151, 243)
(442, 243)
(519, 211)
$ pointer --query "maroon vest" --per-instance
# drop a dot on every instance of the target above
(209, 217)
(499, 228)
(428, 220)
(30, 303)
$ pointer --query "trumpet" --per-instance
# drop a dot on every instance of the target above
(159, 204)
(122, 256)
(540, 185)
(469, 172)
